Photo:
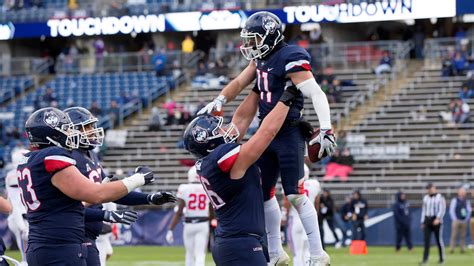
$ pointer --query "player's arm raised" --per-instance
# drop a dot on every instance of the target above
(231, 90)
(245, 113)
(258, 143)
(71, 182)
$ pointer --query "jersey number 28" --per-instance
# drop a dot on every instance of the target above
(28, 194)
(197, 201)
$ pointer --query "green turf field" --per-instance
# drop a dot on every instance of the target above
(378, 256)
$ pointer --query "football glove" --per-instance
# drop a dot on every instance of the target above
(169, 236)
(216, 104)
(327, 140)
(306, 129)
(161, 198)
(146, 172)
(123, 217)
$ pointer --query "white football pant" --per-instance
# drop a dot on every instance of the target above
(299, 241)
(20, 241)
(105, 247)
(196, 237)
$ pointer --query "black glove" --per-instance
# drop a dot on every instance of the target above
(161, 198)
(123, 217)
(147, 173)
(306, 129)
(289, 95)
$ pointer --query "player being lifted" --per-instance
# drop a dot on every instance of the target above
(276, 65)
(192, 199)
(53, 189)
(16, 219)
(89, 165)
(232, 180)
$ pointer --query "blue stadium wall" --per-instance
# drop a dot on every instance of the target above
(151, 227)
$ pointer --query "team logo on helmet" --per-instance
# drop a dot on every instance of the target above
(200, 135)
(269, 24)
(51, 119)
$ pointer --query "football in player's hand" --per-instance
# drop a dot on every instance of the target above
(313, 150)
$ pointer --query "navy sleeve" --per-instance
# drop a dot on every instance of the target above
(297, 59)
(93, 215)
(133, 199)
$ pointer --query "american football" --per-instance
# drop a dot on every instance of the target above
(313, 150)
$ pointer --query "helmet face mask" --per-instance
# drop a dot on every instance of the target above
(91, 135)
(207, 132)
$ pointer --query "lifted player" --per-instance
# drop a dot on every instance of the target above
(277, 65)
(53, 189)
(88, 164)
(192, 199)
(232, 181)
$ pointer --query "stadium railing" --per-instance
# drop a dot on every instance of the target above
(436, 49)
(23, 66)
(122, 62)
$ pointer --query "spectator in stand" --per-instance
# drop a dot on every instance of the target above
(466, 93)
(123, 98)
(460, 213)
(328, 74)
(448, 115)
(325, 86)
(202, 69)
(334, 93)
(359, 208)
(459, 63)
(159, 62)
(99, 48)
(187, 46)
(45, 100)
(339, 166)
(401, 213)
(463, 112)
(326, 212)
(341, 139)
(385, 64)
(114, 113)
(169, 106)
(155, 120)
(447, 69)
(95, 109)
(346, 215)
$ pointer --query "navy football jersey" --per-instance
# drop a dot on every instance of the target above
(88, 164)
(238, 203)
(53, 217)
(272, 78)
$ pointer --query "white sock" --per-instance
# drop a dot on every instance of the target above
(272, 225)
(309, 219)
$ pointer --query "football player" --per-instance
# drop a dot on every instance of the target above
(297, 237)
(16, 219)
(276, 65)
(192, 199)
(231, 178)
(103, 243)
(88, 164)
(5, 207)
(52, 189)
